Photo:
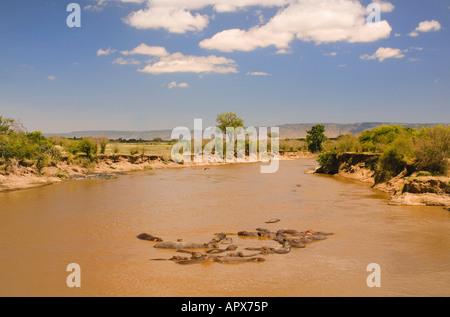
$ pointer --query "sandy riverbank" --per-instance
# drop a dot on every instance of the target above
(105, 167)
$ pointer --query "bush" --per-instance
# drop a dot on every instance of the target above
(88, 146)
(433, 150)
(390, 164)
(103, 142)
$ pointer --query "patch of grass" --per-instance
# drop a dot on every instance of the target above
(423, 174)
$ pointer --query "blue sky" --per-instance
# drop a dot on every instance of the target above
(147, 65)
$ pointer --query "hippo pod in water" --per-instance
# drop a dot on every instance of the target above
(262, 233)
(149, 237)
(185, 245)
(197, 257)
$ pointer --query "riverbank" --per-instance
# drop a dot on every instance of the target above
(411, 189)
(106, 166)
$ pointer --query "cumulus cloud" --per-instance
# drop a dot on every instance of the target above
(172, 19)
(319, 21)
(385, 7)
(144, 49)
(175, 84)
(51, 77)
(257, 74)
(425, 27)
(180, 63)
(175, 16)
(108, 51)
(330, 54)
(122, 61)
(384, 53)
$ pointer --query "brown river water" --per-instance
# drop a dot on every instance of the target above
(95, 222)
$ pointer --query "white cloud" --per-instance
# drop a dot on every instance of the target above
(179, 63)
(258, 74)
(425, 27)
(384, 53)
(121, 61)
(397, 35)
(342, 65)
(51, 77)
(175, 16)
(385, 7)
(330, 54)
(91, 7)
(108, 51)
(413, 59)
(175, 84)
(172, 19)
(319, 21)
(144, 49)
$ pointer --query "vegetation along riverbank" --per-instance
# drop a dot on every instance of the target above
(411, 164)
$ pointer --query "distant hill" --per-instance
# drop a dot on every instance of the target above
(292, 131)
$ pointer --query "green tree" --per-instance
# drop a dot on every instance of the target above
(103, 141)
(229, 120)
(315, 137)
(88, 146)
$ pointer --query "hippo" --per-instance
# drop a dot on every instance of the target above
(149, 237)
(262, 250)
(235, 260)
(218, 238)
(248, 234)
(286, 248)
(288, 231)
(197, 257)
(217, 251)
(184, 245)
(227, 241)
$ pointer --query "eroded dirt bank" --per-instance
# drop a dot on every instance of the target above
(408, 188)
(23, 175)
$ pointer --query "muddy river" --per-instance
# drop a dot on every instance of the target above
(94, 223)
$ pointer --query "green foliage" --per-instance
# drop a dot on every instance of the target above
(426, 150)
(315, 137)
(391, 163)
(423, 174)
(326, 158)
(103, 142)
(88, 146)
(433, 150)
(377, 140)
(229, 120)
(18, 145)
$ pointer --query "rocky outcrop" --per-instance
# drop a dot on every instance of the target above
(423, 191)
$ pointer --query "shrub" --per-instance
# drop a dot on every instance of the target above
(103, 142)
(433, 150)
(88, 146)
(390, 164)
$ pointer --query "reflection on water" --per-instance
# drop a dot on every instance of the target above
(95, 222)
